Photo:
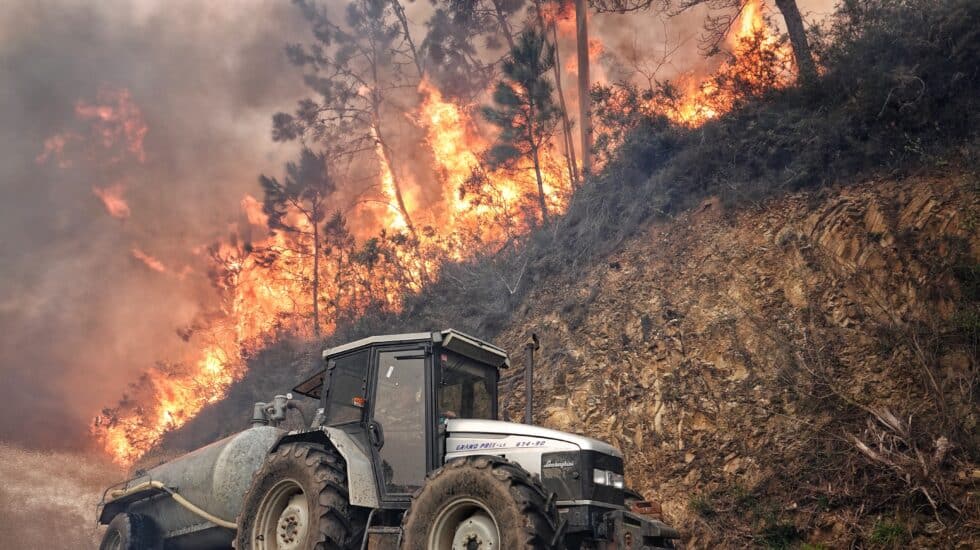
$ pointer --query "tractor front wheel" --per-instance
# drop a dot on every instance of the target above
(480, 502)
(298, 501)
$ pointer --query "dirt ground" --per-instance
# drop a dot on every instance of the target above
(48, 499)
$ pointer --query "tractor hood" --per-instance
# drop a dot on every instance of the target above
(463, 427)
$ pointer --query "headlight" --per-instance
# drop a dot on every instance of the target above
(605, 477)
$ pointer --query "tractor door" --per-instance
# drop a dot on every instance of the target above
(400, 426)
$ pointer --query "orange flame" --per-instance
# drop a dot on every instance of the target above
(148, 261)
(112, 198)
(116, 120)
(180, 394)
(474, 194)
(760, 61)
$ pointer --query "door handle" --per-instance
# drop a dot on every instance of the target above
(376, 434)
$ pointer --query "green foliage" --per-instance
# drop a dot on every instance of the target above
(968, 276)
(779, 535)
(909, 65)
(967, 322)
(742, 497)
(304, 189)
(524, 107)
(889, 534)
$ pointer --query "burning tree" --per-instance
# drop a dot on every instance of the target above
(298, 205)
(525, 109)
(353, 68)
(728, 12)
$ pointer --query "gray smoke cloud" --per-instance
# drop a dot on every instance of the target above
(80, 317)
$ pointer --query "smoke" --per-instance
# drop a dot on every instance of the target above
(90, 228)
(105, 214)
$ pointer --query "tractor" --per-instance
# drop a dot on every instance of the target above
(404, 451)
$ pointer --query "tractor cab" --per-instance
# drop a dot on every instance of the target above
(392, 395)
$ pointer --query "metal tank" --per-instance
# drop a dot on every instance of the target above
(195, 500)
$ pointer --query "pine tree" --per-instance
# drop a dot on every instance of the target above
(464, 40)
(298, 205)
(360, 58)
(524, 107)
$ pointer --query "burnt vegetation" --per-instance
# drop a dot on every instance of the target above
(896, 94)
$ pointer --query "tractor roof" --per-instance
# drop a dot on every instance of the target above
(453, 340)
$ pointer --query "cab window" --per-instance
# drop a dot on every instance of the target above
(467, 389)
(347, 389)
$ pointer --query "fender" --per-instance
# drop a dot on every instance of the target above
(361, 483)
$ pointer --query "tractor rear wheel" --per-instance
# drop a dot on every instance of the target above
(480, 502)
(131, 532)
(298, 501)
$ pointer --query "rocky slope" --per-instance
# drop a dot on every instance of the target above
(804, 372)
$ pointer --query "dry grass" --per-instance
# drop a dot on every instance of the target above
(48, 500)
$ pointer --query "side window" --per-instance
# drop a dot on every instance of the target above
(466, 389)
(348, 387)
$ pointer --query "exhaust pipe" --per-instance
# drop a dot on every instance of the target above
(532, 345)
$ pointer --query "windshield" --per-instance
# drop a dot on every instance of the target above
(467, 389)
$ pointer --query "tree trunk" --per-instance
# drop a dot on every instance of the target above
(389, 160)
(797, 38)
(316, 277)
(541, 201)
(566, 125)
(584, 108)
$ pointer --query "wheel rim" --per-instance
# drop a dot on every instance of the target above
(464, 524)
(282, 519)
(113, 540)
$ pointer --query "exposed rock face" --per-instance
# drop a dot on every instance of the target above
(741, 359)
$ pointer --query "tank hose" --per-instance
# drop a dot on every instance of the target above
(177, 497)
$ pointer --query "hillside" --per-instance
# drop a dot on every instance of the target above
(775, 315)
(738, 358)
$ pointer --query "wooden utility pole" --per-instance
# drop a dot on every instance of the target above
(584, 107)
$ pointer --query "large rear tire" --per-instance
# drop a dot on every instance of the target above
(298, 501)
(480, 502)
(131, 532)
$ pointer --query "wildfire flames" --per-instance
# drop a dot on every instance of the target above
(759, 61)
(265, 283)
